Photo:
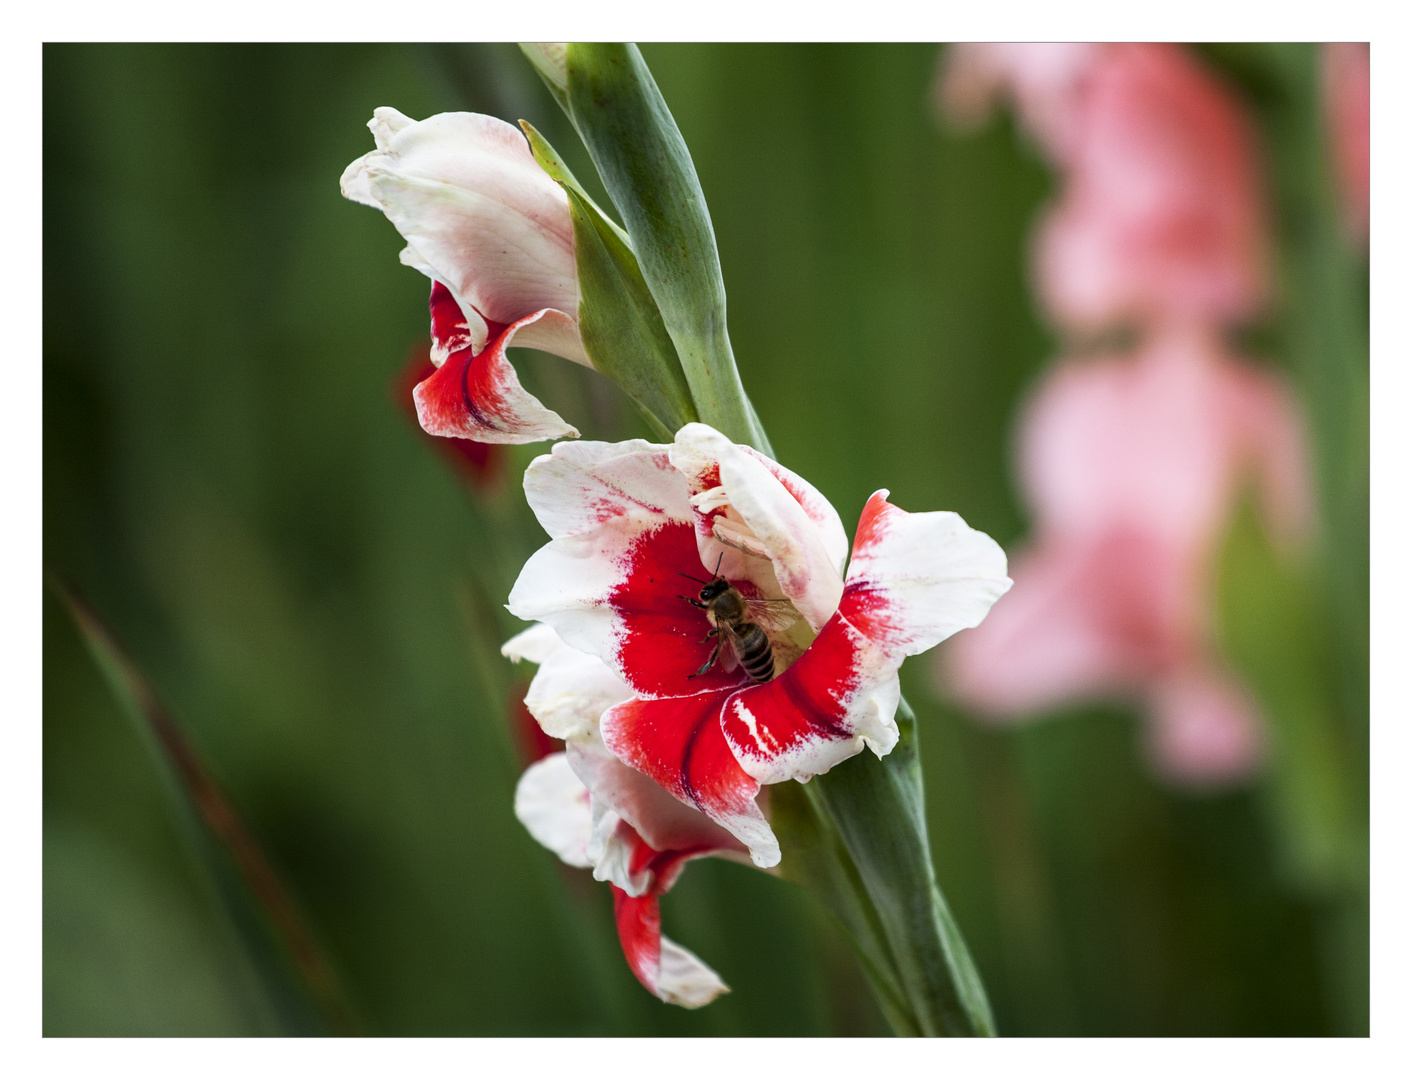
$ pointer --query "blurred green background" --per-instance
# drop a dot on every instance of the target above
(316, 595)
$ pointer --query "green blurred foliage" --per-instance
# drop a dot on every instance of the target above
(317, 596)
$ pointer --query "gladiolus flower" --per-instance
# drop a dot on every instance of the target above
(1159, 217)
(1132, 467)
(493, 233)
(635, 526)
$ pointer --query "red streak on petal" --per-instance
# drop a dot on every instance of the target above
(678, 742)
(449, 330)
(472, 396)
(639, 922)
(808, 702)
(664, 637)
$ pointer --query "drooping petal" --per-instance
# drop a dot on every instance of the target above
(678, 742)
(672, 973)
(480, 397)
(571, 689)
(745, 498)
(478, 215)
(553, 804)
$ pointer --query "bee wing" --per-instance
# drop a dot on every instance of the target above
(772, 616)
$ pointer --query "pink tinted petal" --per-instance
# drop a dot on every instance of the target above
(553, 804)
(1044, 80)
(1205, 730)
(793, 525)
(1084, 619)
(478, 214)
(678, 742)
(916, 579)
(480, 397)
(1161, 215)
(672, 973)
(589, 486)
(1346, 83)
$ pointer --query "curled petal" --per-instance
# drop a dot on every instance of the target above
(571, 689)
(480, 397)
(678, 742)
(553, 804)
(784, 519)
(672, 973)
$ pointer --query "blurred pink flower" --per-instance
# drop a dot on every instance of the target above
(1160, 217)
(1132, 467)
(1346, 109)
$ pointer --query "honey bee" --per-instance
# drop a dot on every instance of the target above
(737, 619)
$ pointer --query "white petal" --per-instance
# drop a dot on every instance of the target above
(919, 578)
(805, 546)
(596, 500)
(684, 979)
(571, 689)
(553, 804)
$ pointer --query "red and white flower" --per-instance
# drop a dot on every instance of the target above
(630, 522)
(493, 232)
(593, 811)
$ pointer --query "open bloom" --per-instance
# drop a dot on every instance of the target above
(1132, 467)
(493, 232)
(630, 524)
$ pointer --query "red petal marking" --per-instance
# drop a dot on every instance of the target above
(450, 331)
(807, 703)
(863, 604)
(662, 644)
(639, 920)
(472, 397)
(678, 742)
(482, 465)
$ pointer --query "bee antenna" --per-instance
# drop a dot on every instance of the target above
(695, 579)
(717, 572)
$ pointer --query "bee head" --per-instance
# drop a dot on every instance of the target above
(713, 588)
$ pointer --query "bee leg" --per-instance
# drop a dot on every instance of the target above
(707, 666)
(691, 600)
(709, 636)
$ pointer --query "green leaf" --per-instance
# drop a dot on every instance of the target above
(647, 170)
(292, 971)
(622, 329)
(863, 850)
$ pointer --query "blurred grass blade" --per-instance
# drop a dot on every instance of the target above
(292, 971)
(867, 856)
(645, 165)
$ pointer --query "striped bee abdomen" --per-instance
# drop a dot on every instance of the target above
(755, 654)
